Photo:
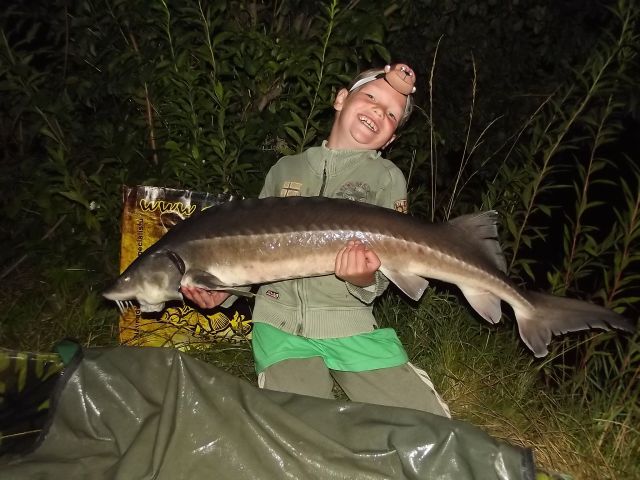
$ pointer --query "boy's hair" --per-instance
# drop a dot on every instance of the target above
(372, 74)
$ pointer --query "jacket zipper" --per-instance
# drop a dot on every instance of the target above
(324, 180)
(300, 283)
(301, 312)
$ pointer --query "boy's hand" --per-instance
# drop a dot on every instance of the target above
(204, 299)
(357, 264)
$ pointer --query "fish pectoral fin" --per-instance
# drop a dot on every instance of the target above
(202, 279)
(238, 292)
(483, 302)
(412, 285)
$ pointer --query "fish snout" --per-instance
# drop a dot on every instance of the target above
(120, 290)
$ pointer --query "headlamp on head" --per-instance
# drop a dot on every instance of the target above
(399, 76)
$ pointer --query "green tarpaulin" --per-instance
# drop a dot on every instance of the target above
(156, 413)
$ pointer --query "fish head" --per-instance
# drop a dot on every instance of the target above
(151, 281)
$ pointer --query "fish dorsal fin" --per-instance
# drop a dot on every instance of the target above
(482, 230)
(202, 279)
(486, 304)
(412, 285)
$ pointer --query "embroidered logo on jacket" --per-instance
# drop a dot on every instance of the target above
(272, 294)
(290, 189)
(357, 191)
(401, 206)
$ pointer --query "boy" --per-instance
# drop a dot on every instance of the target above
(309, 332)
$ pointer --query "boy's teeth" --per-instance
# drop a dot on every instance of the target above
(368, 123)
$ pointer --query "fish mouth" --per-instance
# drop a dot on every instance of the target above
(124, 305)
(127, 300)
(367, 122)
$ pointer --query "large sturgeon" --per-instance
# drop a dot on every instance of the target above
(247, 242)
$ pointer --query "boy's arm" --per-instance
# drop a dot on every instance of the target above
(370, 293)
(210, 299)
(392, 195)
(357, 265)
(267, 191)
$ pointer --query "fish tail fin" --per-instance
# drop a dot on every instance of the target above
(551, 315)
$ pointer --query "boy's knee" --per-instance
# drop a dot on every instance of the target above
(302, 376)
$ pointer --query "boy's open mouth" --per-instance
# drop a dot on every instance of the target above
(368, 122)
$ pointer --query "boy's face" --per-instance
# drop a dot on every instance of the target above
(367, 118)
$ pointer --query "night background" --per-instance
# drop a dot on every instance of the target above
(526, 107)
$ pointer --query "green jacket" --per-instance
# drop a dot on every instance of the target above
(327, 307)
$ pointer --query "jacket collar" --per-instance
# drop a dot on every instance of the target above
(323, 158)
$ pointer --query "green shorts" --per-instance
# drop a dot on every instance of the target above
(358, 353)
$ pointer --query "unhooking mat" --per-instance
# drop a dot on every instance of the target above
(155, 413)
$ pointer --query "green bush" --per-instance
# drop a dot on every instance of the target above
(526, 109)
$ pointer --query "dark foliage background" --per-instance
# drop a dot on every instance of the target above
(526, 106)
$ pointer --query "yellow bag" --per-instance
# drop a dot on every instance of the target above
(149, 213)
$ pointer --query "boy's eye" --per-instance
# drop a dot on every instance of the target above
(369, 95)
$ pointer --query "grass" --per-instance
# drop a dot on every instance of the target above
(580, 413)
(40, 309)
(483, 372)
(489, 379)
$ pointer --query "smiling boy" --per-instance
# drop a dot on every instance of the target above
(309, 332)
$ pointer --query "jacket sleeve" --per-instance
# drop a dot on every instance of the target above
(392, 194)
(268, 188)
(369, 294)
